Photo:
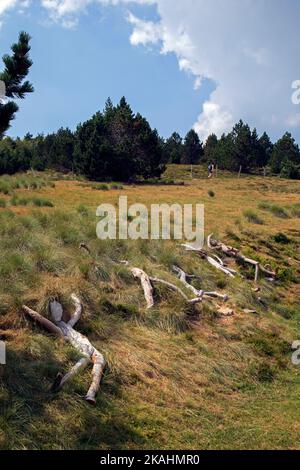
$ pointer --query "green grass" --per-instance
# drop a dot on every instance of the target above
(8, 184)
(275, 209)
(36, 201)
(253, 217)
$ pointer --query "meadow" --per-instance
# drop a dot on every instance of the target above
(177, 376)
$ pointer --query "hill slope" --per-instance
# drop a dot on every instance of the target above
(177, 377)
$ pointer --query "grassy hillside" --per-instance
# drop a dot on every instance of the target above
(177, 377)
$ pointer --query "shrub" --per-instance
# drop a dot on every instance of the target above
(100, 187)
(282, 239)
(116, 186)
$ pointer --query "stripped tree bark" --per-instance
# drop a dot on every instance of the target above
(217, 263)
(234, 253)
(147, 285)
(79, 342)
(200, 293)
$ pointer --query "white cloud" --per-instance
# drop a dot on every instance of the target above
(6, 5)
(249, 48)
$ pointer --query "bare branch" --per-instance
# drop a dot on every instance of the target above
(146, 285)
(78, 310)
(47, 324)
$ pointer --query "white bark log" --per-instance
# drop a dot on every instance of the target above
(199, 293)
(234, 253)
(146, 285)
(98, 369)
(43, 321)
(78, 310)
(79, 342)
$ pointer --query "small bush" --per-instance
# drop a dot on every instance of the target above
(83, 210)
(282, 239)
(266, 373)
(253, 218)
(100, 187)
(2, 203)
(116, 186)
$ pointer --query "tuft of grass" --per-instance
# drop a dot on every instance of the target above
(295, 211)
(275, 209)
(286, 312)
(40, 202)
(253, 217)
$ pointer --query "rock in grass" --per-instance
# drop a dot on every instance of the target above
(225, 311)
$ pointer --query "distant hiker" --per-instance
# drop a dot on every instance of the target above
(210, 170)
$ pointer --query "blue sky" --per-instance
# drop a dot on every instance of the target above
(75, 70)
(182, 64)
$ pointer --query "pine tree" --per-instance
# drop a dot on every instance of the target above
(16, 69)
(193, 149)
(285, 152)
(210, 148)
(266, 148)
(173, 149)
(242, 154)
(224, 153)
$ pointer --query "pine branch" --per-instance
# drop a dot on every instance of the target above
(16, 70)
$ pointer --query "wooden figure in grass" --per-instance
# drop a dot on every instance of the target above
(79, 342)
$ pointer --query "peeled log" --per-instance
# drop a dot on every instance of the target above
(234, 253)
(79, 342)
(146, 285)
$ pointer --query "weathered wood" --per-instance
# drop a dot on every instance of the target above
(235, 253)
(47, 324)
(78, 310)
(217, 264)
(200, 293)
(98, 369)
(77, 340)
(146, 285)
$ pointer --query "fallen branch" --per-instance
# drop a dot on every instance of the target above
(217, 264)
(177, 289)
(146, 285)
(234, 253)
(79, 342)
(200, 293)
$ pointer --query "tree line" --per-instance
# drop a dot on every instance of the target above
(241, 148)
(120, 145)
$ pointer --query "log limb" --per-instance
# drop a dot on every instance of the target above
(146, 285)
